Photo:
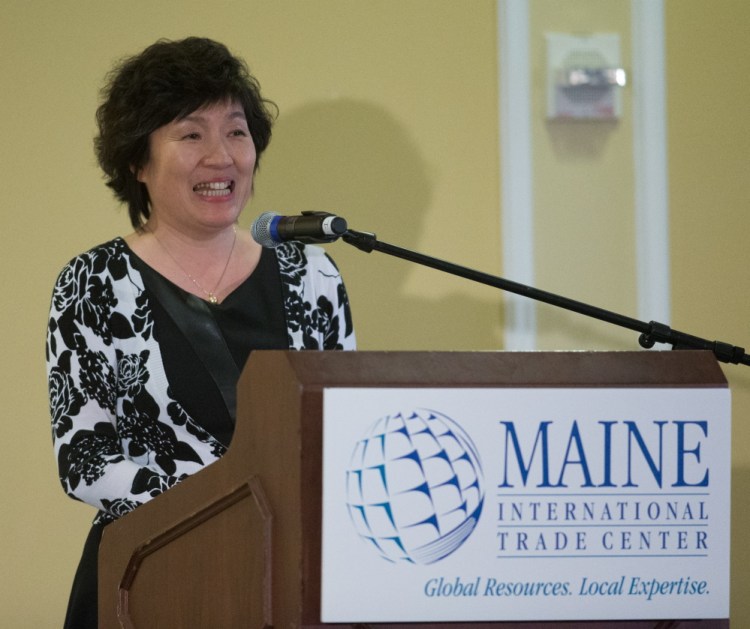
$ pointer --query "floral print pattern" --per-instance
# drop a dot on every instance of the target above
(119, 436)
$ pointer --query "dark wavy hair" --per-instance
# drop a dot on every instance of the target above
(168, 81)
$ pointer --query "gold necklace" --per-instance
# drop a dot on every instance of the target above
(210, 294)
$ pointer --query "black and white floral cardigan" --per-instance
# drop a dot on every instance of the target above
(119, 437)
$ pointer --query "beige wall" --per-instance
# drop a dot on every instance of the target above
(389, 117)
(584, 197)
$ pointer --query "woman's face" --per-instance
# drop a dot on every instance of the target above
(200, 171)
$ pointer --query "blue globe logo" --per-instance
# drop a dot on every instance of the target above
(414, 487)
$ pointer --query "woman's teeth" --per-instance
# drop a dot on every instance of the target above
(214, 188)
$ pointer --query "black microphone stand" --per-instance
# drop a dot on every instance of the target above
(651, 333)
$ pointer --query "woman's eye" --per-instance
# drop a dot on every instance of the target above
(191, 136)
(239, 133)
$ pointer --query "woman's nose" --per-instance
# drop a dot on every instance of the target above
(217, 153)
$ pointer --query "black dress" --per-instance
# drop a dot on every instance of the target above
(251, 317)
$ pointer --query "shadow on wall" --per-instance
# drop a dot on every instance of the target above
(352, 158)
(580, 139)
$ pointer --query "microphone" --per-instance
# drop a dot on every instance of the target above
(271, 229)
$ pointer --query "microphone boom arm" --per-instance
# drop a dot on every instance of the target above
(650, 333)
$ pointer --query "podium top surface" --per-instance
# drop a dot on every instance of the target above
(499, 368)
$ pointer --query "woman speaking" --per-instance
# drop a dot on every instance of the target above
(148, 332)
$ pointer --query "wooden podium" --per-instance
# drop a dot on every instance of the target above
(239, 544)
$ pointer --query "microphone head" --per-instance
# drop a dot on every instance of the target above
(261, 230)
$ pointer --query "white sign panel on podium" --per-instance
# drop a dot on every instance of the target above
(525, 504)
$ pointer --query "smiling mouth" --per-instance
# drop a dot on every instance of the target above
(214, 188)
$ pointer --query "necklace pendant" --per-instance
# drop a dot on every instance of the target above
(209, 294)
